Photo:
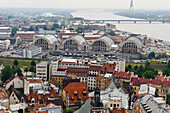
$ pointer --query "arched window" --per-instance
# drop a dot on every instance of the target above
(71, 45)
(129, 47)
(42, 43)
(99, 46)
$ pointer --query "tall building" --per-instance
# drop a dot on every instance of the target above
(43, 70)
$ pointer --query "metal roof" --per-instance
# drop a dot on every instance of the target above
(51, 38)
(136, 40)
(80, 39)
(107, 39)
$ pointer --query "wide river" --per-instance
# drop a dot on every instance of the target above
(153, 30)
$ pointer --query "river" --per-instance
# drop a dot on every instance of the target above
(154, 30)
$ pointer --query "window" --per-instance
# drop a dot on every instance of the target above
(114, 105)
(110, 105)
(117, 105)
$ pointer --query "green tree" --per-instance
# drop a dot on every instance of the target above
(149, 74)
(33, 63)
(168, 64)
(136, 67)
(14, 30)
(6, 73)
(151, 55)
(69, 111)
(79, 30)
(45, 27)
(147, 65)
(71, 29)
(129, 67)
(166, 71)
(31, 28)
(16, 63)
(26, 70)
(32, 69)
(112, 33)
(140, 71)
(56, 26)
(52, 28)
(18, 71)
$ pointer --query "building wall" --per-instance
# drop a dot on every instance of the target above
(91, 82)
(115, 103)
(13, 99)
(16, 82)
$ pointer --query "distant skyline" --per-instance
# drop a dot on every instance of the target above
(86, 4)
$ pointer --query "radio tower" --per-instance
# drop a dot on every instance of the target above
(131, 8)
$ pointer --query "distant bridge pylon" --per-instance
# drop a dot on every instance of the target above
(131, 9)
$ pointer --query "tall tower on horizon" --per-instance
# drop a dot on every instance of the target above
(131, 9)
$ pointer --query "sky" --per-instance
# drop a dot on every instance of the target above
(86, 4)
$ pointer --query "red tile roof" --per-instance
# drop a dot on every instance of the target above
(94, 68)
(118, 111)
(160, 77)
(35, 80)
(122, 75)
(76, 92)
(138, 81)
(108, 67)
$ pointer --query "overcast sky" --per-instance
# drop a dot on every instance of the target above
(113, 4)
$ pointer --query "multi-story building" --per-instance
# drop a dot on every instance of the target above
(5, 32)
(31, 51)
(78, 73)
(26, 36)
(4, 44)
(43, 70)
(120, 64)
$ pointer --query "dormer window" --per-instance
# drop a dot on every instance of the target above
(75, 92)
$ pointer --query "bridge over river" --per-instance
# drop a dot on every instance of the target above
(133, 21)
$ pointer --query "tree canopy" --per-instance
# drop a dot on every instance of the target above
(151, 55)
(33, 63)
(149, 74)
(14, 30)
(6, 73)
(16, 63)
(112, 33)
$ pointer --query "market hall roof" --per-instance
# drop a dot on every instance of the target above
(135, 39)
(51, 38)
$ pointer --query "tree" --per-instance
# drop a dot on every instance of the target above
(14, 30)
(56, 26)
(151, 55)
(112, 33)
(69, 111)
(168, 64)
(26, 70)
(32, 69)
(33, 63)
(79, 30)
(136, 67)
(140, 71)
(166, 71)
(45, 27)
(147, 65)
(52, 28)
(6, 73)
(31, 28)
(15, 63)
(148, 74)
(129, 67)
(156, 41)
(18, 71)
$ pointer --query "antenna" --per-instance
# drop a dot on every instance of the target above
(131, 9)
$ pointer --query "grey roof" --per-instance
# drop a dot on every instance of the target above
(148, 102)
(136, 40)
(107, 39)
(52, 39)
(85, 108)
(80, 39)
